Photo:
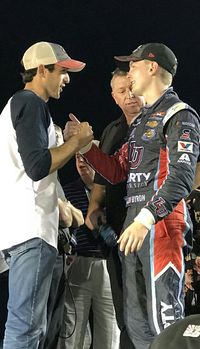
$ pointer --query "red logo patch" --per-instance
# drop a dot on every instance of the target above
(151, 55)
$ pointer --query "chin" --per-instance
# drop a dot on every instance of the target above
(56, 96)
(136, 90)
(134, 111)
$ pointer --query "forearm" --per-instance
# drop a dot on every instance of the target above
(112, 167)
(97, 197)
(62, 154)
(96, 205)
(69, 213)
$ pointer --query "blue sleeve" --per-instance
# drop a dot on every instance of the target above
(182, 137)
(31, 120)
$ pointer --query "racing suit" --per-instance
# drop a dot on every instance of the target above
(158, 162)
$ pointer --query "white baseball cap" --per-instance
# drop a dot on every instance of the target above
(49, 53)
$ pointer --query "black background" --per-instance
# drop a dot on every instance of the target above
(94, 31)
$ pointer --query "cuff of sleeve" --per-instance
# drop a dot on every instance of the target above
(86, 148)
(145, 217)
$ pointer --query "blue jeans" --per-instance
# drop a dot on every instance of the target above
(55, 305)
(31, 267)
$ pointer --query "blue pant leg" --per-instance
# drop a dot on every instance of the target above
(30, 274)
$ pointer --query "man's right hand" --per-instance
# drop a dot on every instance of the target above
(62, 154)
(72, 128)
(81, 130)
(85, 134)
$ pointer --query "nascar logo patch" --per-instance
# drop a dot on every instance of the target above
(186, 147)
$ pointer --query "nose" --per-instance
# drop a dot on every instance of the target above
(66, 79)
(79, 157)
(129, 73)
(131, 94)
(128, 93)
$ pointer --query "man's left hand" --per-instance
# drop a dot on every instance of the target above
(132, 238)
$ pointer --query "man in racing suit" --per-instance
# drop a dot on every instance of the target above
(159, 163)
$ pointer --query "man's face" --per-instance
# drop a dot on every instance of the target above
(55, 81)
(85, 171)
(129, 103)
(139, 76)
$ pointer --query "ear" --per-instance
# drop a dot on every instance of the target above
(42, 70)
(113, 96)
(153, 67)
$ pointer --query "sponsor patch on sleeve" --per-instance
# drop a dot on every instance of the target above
(185, 135)
(192, 331)
(184, 159)
(186, 147)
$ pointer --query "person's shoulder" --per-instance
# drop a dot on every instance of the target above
(27, 96)
(27, 105)
(115, 123)
(175, 107)
(176, 104)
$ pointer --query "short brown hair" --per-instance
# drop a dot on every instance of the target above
(27, 75)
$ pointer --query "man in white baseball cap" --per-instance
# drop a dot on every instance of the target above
(29, 170)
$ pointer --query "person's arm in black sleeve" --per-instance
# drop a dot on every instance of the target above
(31, 121)
(31, 124)
(182, 136)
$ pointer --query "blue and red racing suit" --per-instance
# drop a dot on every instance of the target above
(158, 162)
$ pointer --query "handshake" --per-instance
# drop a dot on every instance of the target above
(82, 130)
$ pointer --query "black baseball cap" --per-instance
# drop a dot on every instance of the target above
(156, 52)
(184, 334)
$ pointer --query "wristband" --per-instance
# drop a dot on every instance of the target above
(145, 217)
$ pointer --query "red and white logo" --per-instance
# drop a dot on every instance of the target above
(185, 134)
(186, 147)
(151, 55)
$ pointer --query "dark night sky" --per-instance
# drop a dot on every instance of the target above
(94, 31)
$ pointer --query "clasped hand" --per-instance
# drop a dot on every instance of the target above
(82, 129)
